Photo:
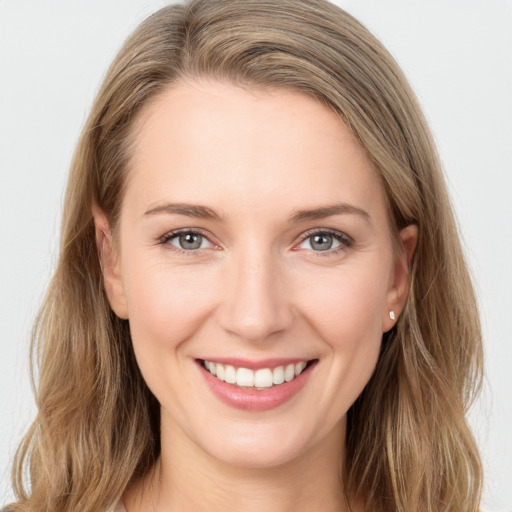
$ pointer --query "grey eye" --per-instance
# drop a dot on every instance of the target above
(321, 242)
(188, 241)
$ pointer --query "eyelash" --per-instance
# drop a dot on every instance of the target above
(166, 239)
(344, 240)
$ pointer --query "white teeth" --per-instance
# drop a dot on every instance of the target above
(220, 371)
(230, 374)
(263, 378)
(260, 379)
(299, 367)
(245, 377)
(211, 367)
(278, 375)
(289, 372)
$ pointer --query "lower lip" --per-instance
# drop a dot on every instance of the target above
(253, 399)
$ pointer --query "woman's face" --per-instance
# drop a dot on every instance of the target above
(253, 244)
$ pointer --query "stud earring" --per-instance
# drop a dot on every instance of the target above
(392, 315)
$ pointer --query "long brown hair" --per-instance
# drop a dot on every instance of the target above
(408, 443)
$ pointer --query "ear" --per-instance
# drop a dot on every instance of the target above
(397, 294)
(110, 264)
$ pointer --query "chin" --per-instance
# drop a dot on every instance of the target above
(256, 457)
(261, 446)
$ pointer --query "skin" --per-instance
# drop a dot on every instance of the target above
(256, 289)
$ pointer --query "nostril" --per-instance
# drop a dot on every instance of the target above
(254, 303)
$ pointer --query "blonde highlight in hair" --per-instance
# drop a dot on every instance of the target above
(97, 428)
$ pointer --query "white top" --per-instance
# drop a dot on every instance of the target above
(119, 508)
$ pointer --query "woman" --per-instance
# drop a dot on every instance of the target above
(261, 300)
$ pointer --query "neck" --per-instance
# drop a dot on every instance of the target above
(187, 478)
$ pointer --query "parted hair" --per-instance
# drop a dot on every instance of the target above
(408, 444)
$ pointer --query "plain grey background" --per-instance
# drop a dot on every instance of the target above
(456, 53)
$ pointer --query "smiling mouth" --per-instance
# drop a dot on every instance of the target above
(260, 379)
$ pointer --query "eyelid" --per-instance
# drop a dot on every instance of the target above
(345, 240)
(165, 239)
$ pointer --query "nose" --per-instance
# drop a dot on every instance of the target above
(255, 303)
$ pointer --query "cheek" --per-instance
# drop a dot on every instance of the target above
(344, 308)
(345, 305)
(166, 304)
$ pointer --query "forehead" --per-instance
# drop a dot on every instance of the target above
(203, 141)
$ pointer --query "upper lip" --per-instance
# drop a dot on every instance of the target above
(252, 364)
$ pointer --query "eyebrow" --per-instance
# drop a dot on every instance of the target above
(327, 211)
(204, 212)
(190, 210)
